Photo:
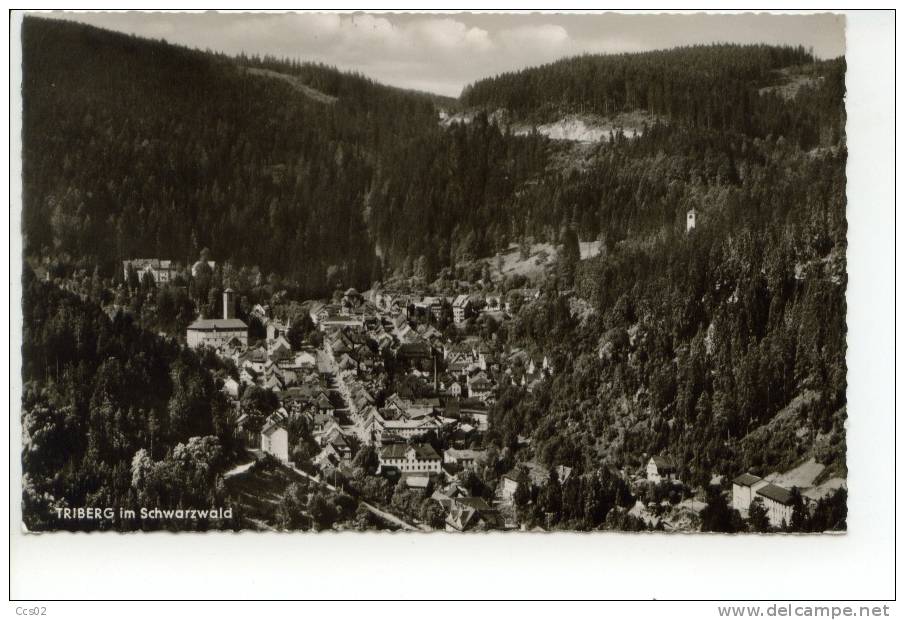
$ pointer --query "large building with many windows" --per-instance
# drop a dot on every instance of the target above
(406, 459)
(216, 333)
(163, 271)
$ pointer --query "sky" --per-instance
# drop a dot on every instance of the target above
(443, 52)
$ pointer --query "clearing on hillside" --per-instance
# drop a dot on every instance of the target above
(296, 83)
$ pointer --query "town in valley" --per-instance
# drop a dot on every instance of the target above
(601, 294)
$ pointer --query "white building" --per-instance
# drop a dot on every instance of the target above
(461, 308)
(276, 329)
(216, 333)
(275, 440)
(744, 489)
(418, 458)
(778, 502)
(467, 459)
(231, 387)
(659, 469)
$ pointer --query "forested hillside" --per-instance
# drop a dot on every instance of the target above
(199, 152)
(722, 348)
(705, 87)
(139, 148)
(113, 416)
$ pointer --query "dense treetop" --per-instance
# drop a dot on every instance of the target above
(704, 86)
(139, 148)
(723, 348)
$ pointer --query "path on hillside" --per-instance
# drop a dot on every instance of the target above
(239, 469)
(374, 510)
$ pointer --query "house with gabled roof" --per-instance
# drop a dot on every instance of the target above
(461, 309)
(660, 468)
(231, 387)
(324, 405)
(480, 387)
(471, 513)
(466, 459)
(538, 475)
(275, 439)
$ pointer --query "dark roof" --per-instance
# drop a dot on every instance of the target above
(272, 426)
(398, 451)
(776, 493)
(477, 503)
(663, 464)
(324, 403)
(415, 349)
(746, 480)
(218, 324)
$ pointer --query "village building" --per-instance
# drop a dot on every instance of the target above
(660, 469)
(492, 303)
(454, 389)
(336, 451)
(744, 489)
(778, 502)
(537, 474)
(231, 388)
(216, 333)
(261, 311)
(277, 330)
(480, 387)
(420, 458)
(470, 513)
(163, 271)
(275, 440)
(466, 459)
(461, 309)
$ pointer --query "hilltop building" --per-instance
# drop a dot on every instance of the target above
(691, 220)
(163, 271)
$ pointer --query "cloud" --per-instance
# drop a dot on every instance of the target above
(449, 34)
(444, 52)
(543, 37)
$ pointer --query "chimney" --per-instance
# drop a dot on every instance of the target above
(229, 305)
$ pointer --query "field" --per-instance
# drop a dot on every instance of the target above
(541, 256)
(297, 84)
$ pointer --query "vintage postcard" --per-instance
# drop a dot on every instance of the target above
(433, 272)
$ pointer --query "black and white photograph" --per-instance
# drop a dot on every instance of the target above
(266, 292)
(518, 274)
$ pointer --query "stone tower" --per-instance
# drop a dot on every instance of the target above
(691, 220)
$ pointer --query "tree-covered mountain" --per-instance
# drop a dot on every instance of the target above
(724, 87)
(139, 148)
(113, 416)
(723, 348)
